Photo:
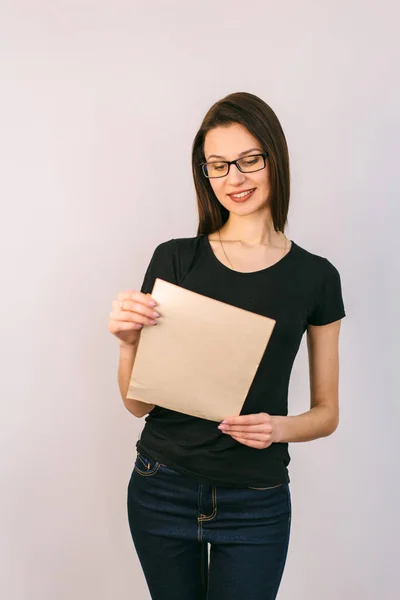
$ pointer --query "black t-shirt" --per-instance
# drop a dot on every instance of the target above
(300, 289)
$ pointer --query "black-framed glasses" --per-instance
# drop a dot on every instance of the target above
(247, 164)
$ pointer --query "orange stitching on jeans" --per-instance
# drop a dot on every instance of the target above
(214, 512)
(142, 460)
(149, 473)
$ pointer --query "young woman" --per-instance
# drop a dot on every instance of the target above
(196, 482)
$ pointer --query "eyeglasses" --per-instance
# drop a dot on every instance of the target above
(247, 164)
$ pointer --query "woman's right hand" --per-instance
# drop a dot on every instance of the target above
(131, 311)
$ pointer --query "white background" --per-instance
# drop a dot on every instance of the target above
(99, 104)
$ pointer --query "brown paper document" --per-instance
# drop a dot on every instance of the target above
(202, 356)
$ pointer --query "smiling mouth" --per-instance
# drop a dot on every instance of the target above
(243, 194)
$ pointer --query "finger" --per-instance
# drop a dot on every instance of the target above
(250, 436)
(260, 428)
(246, 419)
(134, 307)
(118, 326)
(136, 296)
(128, 316)
(251, 443)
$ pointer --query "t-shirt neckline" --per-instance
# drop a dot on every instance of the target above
(221, 265)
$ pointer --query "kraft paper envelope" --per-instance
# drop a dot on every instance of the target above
(202, 356)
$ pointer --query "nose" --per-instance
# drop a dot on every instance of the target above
(235, 176)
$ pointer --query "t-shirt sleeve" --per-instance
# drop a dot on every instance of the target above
(163, 265)
(328, 306)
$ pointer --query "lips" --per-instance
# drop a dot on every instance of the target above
(241, 192)
(236, 199)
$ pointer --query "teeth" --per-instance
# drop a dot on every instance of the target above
(242, 194)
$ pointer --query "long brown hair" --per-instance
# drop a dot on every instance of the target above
(261, 121)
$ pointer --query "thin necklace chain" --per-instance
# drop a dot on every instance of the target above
(227, 258)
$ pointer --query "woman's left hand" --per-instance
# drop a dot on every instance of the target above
(257, 431)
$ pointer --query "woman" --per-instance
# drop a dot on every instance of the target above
(196, 482)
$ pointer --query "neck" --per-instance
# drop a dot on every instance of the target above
(252, 230)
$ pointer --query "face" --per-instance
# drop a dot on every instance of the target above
(228, 143)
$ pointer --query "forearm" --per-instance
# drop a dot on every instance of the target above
(127, 355)
(319, 421)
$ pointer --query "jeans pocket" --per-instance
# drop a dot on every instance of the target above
(145, 465)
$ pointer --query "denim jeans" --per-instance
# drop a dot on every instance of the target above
(173, 518)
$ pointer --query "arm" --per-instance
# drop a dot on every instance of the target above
(127, 355)
(323, 417)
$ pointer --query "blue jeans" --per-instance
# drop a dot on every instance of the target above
(173, 518)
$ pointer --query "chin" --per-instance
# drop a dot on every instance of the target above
(245, 209)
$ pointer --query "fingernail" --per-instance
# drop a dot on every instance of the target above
(152, 303)
(154, 322)
(156, 314)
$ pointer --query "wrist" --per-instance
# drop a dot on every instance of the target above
(278, 428)
(126, 348)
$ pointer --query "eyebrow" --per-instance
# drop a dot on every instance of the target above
(241, 153)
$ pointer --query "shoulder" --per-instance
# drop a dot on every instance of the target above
(166, 247)
(188, 244)
(178, 244)
(325, 300)
(173, 257)
(180, 250)
(317, 264)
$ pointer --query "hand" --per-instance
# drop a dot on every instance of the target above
(257, 431)
(131, 311)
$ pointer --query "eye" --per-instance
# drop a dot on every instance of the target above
(216, 167)
(251, 160)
